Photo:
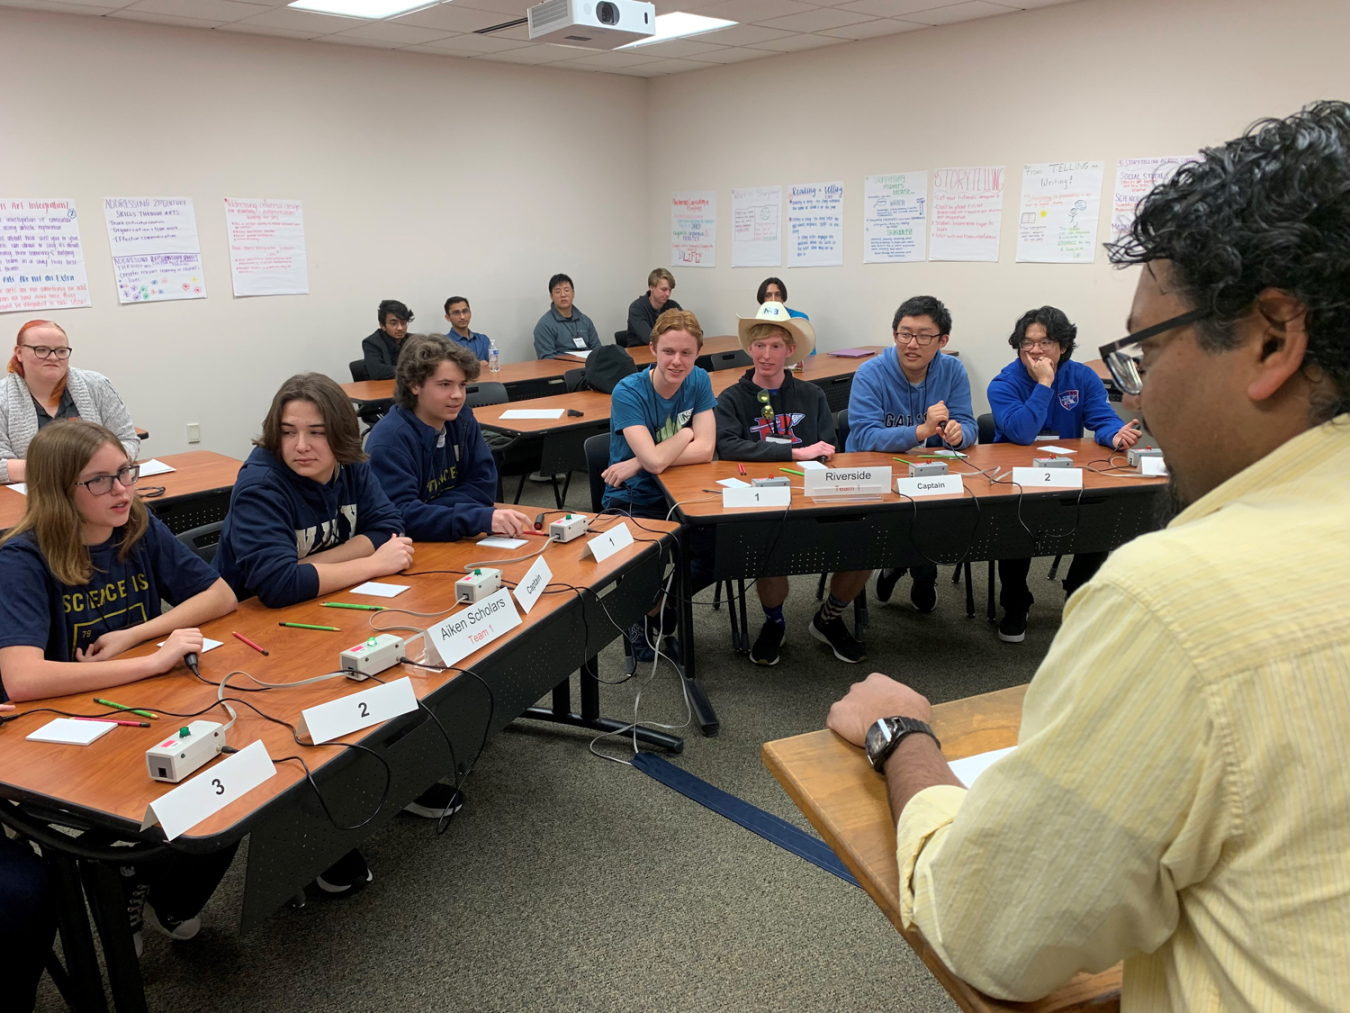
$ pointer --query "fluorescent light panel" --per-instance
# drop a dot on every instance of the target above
(679, 25)
(359, 8)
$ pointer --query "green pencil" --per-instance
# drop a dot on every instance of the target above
(793, 471)
(307, 626)
(901, 460)
(351, 605)
(124, 707)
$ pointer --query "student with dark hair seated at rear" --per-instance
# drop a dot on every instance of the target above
(564, 328)
(380, 349)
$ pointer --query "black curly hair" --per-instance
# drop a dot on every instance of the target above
(1270, 209)
(1057, 328)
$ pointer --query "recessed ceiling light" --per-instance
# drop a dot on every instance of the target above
(679, 25)
(359, 8)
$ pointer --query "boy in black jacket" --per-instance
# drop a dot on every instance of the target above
(771, 416)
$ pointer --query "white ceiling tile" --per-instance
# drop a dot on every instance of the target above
(351, 40)
(873, 29)
(662, 67)
(746, 11)
(521, 33)
(206, 10)
(434, 49)
(57, 8)
(817, 20)
(797, 42)
(1039, 3)
(743, 35)
(403, 35)
(535, 55)
(611, 61)
(164, 19)
(509, 9)
(281, 33)
(889, 8)
(959, 12)
(452, 17)
(677, 48)
(478, 44)
(734, 54)
(114, 4)
(305, 21)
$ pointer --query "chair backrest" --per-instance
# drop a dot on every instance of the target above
(204, 540)
(841, 429)
(358, 368)
(986, 424)
(476, 395)
(619, 336)
(737, 357)
(597, 460)
(573, 377)
(606, 366)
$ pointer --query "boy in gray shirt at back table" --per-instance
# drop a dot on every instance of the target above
(564, 328)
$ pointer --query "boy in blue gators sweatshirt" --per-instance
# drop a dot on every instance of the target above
(916, 397)
(1044, 393)
(428, 452)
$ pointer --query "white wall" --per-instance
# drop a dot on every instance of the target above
(421, 177)
(1097, 79)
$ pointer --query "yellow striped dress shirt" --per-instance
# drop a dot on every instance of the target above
(1180, 794)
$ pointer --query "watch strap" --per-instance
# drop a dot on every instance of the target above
(900, 728)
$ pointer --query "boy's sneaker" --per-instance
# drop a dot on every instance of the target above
(636, 646)
(348, 873)
(923, 593)
(841, 641)
(1013, 628)
(886, 581)
(765, 651)
(437, 801)
(173, 927)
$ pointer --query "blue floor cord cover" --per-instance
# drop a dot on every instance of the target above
(767, 825)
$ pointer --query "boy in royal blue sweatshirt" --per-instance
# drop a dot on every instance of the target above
(915, 397)
(1044, 393)
(428, 452)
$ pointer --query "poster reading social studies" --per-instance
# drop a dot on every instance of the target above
(693, 228)
(756, 239)
(895, 229)
(816, 225)
(41, 260)
(267, 246)
(1135, 177)
(1057, 218)
(155, 250)
(967, 213)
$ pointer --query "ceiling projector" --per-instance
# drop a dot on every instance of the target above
(592, 24)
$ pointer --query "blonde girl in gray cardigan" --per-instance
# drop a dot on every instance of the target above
(33, 377)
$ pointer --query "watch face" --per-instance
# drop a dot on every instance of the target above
(877, 737)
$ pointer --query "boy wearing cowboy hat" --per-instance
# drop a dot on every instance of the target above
(769, 415)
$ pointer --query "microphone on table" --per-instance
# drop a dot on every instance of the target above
(190, 659)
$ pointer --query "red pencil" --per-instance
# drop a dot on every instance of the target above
(741, 466)
(251, 644)
(541, 534)
(125, 724)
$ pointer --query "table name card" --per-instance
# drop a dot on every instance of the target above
(532, 585)
(822, 482)
(930, 485)
(605, 545)
(1154, 467)
(336, 718)
(210, 791)
(459, 635)
(1048, 478)
(757, 496)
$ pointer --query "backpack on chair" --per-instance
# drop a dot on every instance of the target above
(605, 367)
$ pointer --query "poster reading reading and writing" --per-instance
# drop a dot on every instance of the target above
(967, 213)
(1057, 218)
(41, 260)
(155, 250)
(816, 225)
(267, 246)
(693, 228)
(1135, 177)
(756, 239)
(895, 229)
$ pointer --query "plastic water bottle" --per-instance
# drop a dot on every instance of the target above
(494, 357)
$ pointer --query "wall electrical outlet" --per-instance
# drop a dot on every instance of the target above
(194, 432)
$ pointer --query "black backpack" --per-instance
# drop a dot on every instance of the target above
(605, 367)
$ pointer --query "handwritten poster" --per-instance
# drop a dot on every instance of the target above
(895, 229)
(1135, 177)
(267, 246)
(816, 225)
(967, 213)
(756, 237)
(1057, 218)
(41, 260)
(693, 228)
(155, 251)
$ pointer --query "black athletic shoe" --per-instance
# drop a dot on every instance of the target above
(348, 873)
(765, 651)
(886, 582)
(841, 641)
(923, 593)
(437, 801)
(1013, 628)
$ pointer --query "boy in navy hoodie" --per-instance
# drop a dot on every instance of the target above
(1044, 393)
(428, 452)
(916, 397)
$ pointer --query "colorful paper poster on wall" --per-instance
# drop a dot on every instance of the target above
(816, 225)
(155, 250)
(756, 235)
(41, 260)
(267, 246)
(1135, 177)
(967, 213)
(895, 229)
(1057, 218)
(693, 229)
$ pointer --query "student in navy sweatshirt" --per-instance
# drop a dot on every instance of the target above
(1044, 394)
(916, 397)
(428, 452)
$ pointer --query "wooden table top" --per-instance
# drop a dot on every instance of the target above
(593, 405)
(1102, 370)
(197, 471)
(109, 775)
(689, 484)
(835, 787)
(511, 372)
(642, 354)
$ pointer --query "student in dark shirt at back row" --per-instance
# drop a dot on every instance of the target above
(380, 349)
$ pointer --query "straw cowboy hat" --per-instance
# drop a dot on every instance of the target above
(803, 334)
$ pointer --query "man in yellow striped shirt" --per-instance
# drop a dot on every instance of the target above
(1180, 795)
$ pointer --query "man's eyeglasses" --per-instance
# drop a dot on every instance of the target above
(101, 485)
(44, 352)
(905, 337)
(1122, 357)
(1028, 346)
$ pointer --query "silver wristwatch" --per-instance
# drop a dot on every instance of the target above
(887, 733)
